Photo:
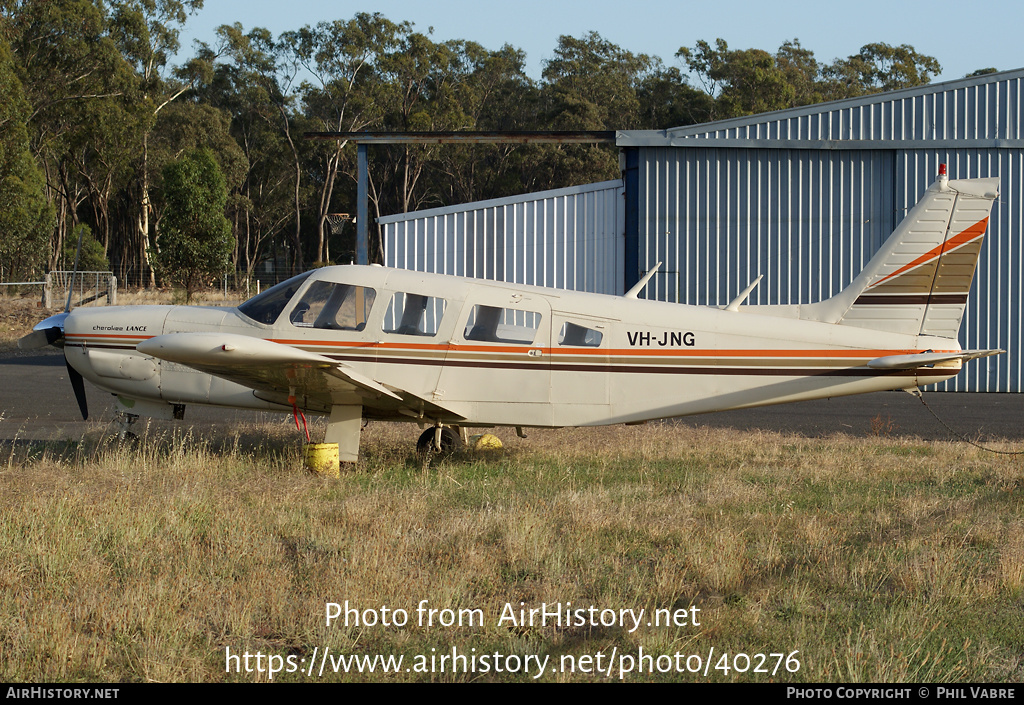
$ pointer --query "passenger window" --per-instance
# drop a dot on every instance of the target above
(414, 314)
(502, 325)
(333, 306)
(572, 334)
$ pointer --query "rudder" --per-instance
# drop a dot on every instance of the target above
(918, 282)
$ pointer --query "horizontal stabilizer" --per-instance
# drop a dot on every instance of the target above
(926, 359)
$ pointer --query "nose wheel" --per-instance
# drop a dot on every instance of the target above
(125, 421)
(440, 440)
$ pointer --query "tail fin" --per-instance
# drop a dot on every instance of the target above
(918, 282)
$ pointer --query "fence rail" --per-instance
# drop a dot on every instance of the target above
(91, 286)
(87, 284)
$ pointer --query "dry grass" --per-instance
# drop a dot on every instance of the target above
(17, 316)
(886, 559)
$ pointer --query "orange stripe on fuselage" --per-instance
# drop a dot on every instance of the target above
(500, 348)
(617, 352)
(109, 335)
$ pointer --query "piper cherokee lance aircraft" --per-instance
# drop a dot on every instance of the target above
(367, 342)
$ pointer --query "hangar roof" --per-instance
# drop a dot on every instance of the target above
(977, 112)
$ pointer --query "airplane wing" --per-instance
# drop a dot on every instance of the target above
(927, 359)
(278, 369)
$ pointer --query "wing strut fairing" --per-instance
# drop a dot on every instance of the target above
(266, 366)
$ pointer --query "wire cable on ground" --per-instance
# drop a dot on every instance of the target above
(961, 436)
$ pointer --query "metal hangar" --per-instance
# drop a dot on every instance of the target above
(804, 196)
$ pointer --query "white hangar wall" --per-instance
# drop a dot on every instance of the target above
(806, 196)
(569, 238)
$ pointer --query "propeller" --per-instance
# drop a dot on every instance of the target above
(78, 384)
(49, 331)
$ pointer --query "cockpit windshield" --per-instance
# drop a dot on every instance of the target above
(267, 306)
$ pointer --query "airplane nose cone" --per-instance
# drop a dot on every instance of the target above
(54, 321)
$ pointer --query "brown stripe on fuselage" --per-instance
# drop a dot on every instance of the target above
(732, 370)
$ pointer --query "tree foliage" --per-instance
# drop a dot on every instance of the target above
(749, 81)
(26, 219)
(881, 67)
(90, 257)
(95, 118)
(196, 241)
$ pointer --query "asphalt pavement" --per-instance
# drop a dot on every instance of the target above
(37, 403)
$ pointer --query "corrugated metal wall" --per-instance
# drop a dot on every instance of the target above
(806, 196)
(717, 218)
(568, 239)
(803, 196)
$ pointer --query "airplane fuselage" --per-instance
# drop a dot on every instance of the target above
(550, 358)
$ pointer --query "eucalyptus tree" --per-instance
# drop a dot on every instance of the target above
(667, 99)
(245, 80)
(77, 85)
(802, 71)
(147, 33)
(589, 84)
(425, 90)
(741, 81)
(748, 81)
(184, 127)
(342, 93)
(493, 94)
(879, 67)
(26, 218)
(197, 241)
(593, 83)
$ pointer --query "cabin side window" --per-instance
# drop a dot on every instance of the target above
(579, 336)
(414, 314)
(492, 324)
(333, 306)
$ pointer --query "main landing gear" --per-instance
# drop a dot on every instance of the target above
(439, 440)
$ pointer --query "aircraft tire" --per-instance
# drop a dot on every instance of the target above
(450, 442)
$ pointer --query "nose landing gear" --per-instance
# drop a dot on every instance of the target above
(124, 422)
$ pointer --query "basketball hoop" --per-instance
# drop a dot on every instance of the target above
(336, 221)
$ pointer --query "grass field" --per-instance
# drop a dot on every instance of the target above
(884, 560)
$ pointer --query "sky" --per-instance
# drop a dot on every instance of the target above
(963, 36)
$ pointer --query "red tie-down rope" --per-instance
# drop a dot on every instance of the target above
(297, 413)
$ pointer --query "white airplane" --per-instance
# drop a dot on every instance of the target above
(366, 342)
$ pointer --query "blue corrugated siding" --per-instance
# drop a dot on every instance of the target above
(717, 218)
(810, 219)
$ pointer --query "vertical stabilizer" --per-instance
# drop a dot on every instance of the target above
(918, 282)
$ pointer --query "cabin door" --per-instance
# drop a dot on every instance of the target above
(499, 357)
